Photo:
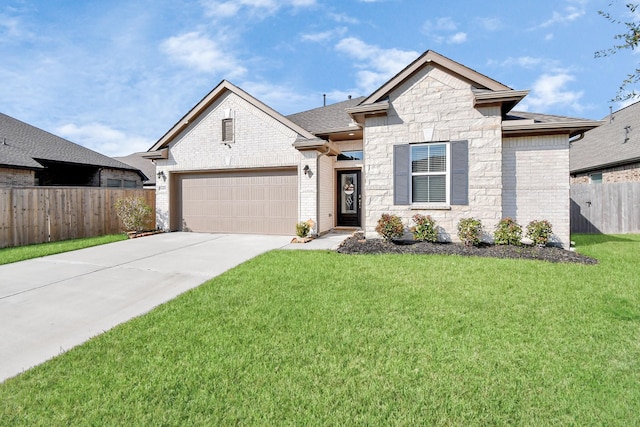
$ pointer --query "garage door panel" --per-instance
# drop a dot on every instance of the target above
(259, 201)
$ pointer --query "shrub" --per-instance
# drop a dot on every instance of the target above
(425, 229)
(539, 231)
(302, 229)
(470, 231)
(390, 227)
(508, 232)
(134, 213)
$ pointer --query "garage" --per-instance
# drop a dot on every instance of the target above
(261, 201)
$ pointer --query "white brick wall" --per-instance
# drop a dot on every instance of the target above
(535, 192)
(259, 142)
(433, 103)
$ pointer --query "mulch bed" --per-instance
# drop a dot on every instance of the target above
(357, 244)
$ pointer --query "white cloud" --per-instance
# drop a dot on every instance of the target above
(343, 18)
(224, 9)
(325, 35)
(458, 38)
(550, 90)
(103, 139)
(444, 29)
(202, 54)
(490, 24)
(279, 97)
(569, 14)
(522, 61)
(378, 64)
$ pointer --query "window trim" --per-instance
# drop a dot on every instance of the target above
(447, 174)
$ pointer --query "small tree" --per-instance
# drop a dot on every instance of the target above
(390, 227)
(302, 229)
(425, 229)
(470, 231)
(540, 232)
(133, 212)
(508, 232)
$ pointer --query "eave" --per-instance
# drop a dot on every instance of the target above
(319, 145)
(359, 112)
(507, 99)
(157, 154)
(512, 128)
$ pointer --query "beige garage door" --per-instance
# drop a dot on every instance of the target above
(257, 202)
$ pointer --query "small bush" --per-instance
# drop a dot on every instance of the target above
(470, 231)
(302, 229)
(134, 213)
(390, 227)
(540, 232)
(425, 229)
(508, 232)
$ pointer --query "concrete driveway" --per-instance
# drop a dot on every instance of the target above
(50, 304)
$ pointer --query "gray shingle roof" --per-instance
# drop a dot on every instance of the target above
(610, 144)
(21, 145)
(330, 117)
(541, 118)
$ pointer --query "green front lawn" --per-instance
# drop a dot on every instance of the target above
(21, 253)
(319, 338)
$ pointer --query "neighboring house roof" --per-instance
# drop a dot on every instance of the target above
(24, 146)
(326, 119)
(145, 165)
(210, 98)
(615, 143)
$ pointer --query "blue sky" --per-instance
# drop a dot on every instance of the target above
(115, 75)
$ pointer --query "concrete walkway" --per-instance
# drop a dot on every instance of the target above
(51, 304)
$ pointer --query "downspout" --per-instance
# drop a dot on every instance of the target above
(318, 188)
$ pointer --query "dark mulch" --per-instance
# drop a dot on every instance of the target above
(357, 244)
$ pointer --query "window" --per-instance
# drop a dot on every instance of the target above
(114, 183)
(429, 173)
(227, 130)
(350, 155)
(595, 178)
(128, 183)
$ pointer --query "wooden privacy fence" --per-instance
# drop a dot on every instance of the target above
(605, 208)
(49, 214)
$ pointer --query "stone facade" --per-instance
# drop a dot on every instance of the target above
(17, 177)
(535, 192)
(125, 179)
(434, 106)
(626, 173)
(259, 141)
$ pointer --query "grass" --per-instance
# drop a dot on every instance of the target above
(21, 253)
(319, 338)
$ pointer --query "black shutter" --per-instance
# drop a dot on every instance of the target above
(459, 173)
(401, 174)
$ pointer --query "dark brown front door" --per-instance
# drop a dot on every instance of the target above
(349, 198)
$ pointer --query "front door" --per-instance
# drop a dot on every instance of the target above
(349, 198)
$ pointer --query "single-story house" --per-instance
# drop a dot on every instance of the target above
(611, 152)
(30, 156)
(148, 168)
(438, 139)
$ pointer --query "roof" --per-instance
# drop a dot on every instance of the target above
(430, 57)
(615, 143)
(145, 165)
(518, 123)
(23, 145)
(222, 88)
(326, 119)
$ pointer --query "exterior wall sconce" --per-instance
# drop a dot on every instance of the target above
(306, 170)
(161, 175)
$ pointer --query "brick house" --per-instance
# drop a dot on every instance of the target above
(611, 152)
(438, 138)
(30, 156)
